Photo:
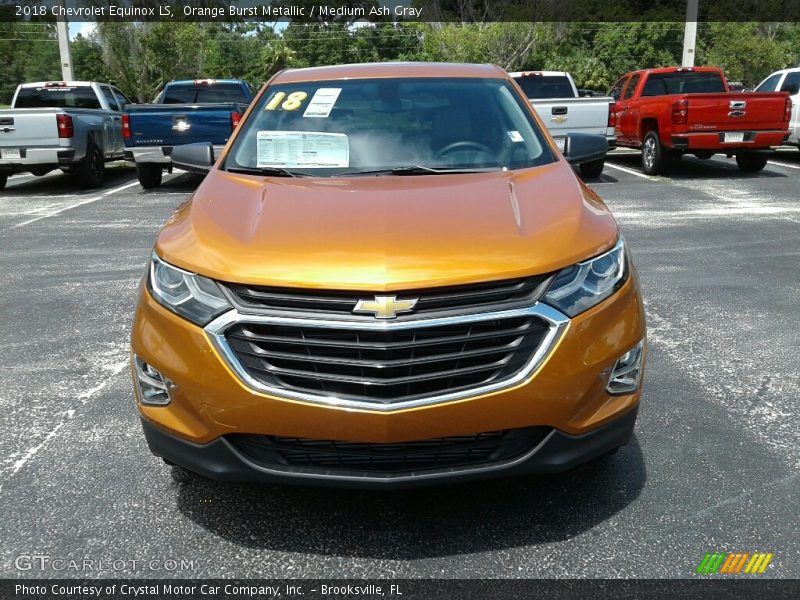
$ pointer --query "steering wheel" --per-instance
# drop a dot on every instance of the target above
(465, 145)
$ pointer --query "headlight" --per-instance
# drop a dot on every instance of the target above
(192, 296)
(583, 285)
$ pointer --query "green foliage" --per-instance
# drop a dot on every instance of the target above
(141, 57)
(29, 52)
(748, 52)
(87, 59)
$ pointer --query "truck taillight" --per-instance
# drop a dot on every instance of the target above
(235, 118)
(612, 116)
(787, 109)
(680, 112)
(65, 127)
(126, 127)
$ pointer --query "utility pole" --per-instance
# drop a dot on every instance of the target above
(62, 28)
(690, 34)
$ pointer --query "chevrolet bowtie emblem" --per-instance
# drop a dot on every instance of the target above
(558, 119)
(385, 307)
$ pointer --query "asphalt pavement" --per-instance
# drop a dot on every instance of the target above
(714, 466)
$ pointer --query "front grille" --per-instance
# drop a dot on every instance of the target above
(386, 365)
(403, 457)
(460, 299)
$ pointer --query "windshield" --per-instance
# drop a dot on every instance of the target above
(662, 84)
(205, 94)
(325, 128)
(545, 86)
(57, 97)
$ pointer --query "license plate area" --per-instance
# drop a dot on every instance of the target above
(560, 143)
(733, 137)
(10, 153)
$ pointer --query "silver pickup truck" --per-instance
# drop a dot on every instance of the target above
(555, 98)
(75, 126)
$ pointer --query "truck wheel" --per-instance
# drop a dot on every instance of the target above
(149, 175)
(751, 163)
(655, 158)
(3, 181)
(593, 168)
(91, 171)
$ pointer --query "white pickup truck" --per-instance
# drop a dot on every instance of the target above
(786, 80)
(75, 126)
(555, 98)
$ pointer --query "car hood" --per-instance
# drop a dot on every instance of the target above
(387, 232)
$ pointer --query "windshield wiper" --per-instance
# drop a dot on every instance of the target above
(420, 170)
(269, 171)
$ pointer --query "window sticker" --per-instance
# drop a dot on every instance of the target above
(322, 102)
(305, 149)
(515, 136)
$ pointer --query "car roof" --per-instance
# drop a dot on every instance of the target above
(201, 79)
(59, 83)
(542, 73)
(660, 70)
(390, 69)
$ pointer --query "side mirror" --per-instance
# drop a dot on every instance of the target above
(584, 147)
(196, 158)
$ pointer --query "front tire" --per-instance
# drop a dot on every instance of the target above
(91, 172)
(149, 175)
(593, 168)
(655, 158)
(751, 163)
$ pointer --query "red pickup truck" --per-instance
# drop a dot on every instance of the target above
(672, 111)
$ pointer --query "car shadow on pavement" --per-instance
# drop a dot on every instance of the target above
(55, 182)
(691, 167)
(417, 523)
(176, 182)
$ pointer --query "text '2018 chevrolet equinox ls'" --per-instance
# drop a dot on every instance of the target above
(390, 276)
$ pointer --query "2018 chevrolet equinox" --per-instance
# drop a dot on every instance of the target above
(390, 276)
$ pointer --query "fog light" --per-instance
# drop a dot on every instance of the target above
(625, 375)
(153, 386)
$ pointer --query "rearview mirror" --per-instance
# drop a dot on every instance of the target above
(195, 158)
(584, 147)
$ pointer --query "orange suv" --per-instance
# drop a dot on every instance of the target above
(390, 276)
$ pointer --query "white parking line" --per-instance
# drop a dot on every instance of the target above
(782, 164)
(120, 188)
(631, 171)
(75, 205)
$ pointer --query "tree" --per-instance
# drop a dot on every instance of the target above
(87, 59)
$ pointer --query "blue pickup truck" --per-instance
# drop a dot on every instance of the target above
(198, 110)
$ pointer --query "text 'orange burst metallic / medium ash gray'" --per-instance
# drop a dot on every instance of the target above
(391, 276)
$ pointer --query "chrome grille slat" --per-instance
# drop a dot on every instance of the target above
(386, 365)
(381, 381)
(493, 294)
(361, 345)
(367, 363)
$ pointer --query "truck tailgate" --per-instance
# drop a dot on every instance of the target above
(175, 124)
(25, 127)
(736, 111)
(573, 115)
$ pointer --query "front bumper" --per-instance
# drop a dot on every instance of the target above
(558, 452)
